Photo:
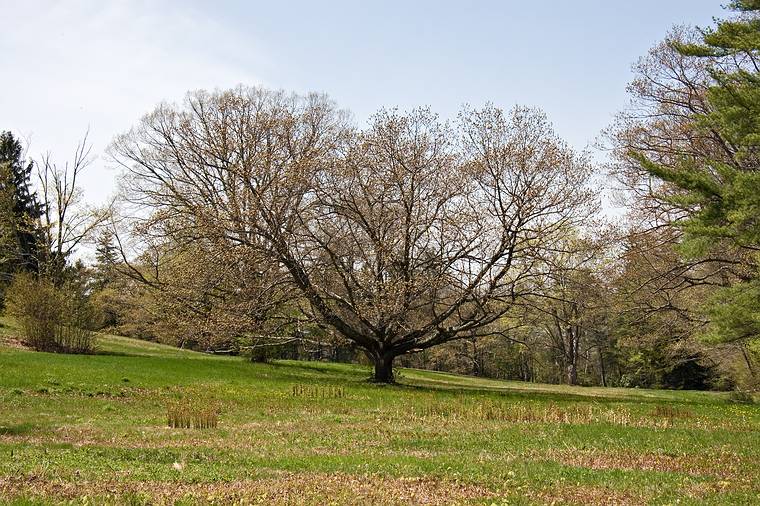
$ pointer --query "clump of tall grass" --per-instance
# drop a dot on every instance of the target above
(574, 414)
(502, 412)
(192, 414)
(671, 412)
(318, 391)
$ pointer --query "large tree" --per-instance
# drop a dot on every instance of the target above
(688, 150)
(725, 194)
(402, 236)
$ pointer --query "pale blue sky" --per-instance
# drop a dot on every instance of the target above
(75, 64)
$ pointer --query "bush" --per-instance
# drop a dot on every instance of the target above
(51, 318)
(741, 397)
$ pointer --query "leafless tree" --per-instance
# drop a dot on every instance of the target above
(403, 236)
(66, 220)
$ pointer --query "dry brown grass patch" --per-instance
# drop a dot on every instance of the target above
(282, 488)
(587, 496)
(719, 465)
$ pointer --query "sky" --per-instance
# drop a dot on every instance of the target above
(73, 65)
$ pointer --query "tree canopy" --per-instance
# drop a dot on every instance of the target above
(401, 237)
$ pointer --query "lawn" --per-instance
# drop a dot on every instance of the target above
(93, 429)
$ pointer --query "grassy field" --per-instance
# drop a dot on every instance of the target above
(93, 429)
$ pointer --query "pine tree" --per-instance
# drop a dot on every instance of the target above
(25, 208)
(722, 195)
(9, 247)
(106, 257)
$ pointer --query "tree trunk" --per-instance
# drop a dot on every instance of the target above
(384, 369)
(572, 374)
(601, 368)
(747, 360)
(574, 348)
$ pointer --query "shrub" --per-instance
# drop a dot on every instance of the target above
(260, 354)
(51, 318)
(741, 397)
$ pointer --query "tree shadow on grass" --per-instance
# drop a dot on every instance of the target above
(323, 368)
(115, 353)
(18, 429)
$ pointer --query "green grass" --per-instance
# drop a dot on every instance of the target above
(94, 429)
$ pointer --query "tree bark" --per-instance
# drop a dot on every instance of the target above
(601, 368)
(747, 360)
(384, 369)
(572, 374)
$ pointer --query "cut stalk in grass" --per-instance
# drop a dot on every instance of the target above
(191, 414)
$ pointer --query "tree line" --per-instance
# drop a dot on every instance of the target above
(265, 223)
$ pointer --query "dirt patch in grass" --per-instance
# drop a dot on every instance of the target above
(282, 488)
(586, 495)
(13, 341)
(719, 465)
(704, 490)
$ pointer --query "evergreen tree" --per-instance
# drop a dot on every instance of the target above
(106, 257)
(9, 247)
(25, 207)
(722, 194)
